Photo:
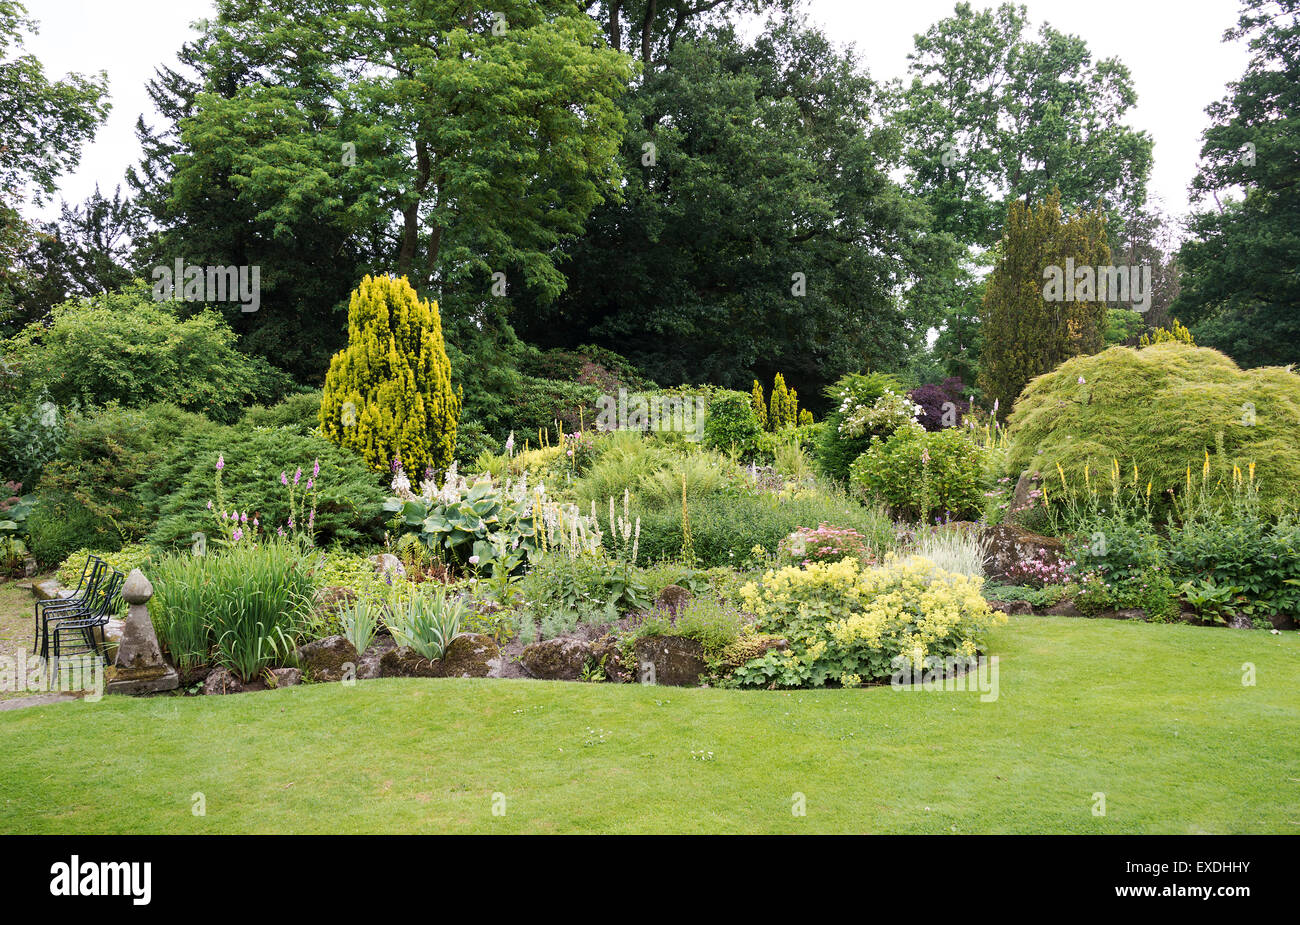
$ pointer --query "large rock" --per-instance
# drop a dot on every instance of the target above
(326, 659)
(284, 677)
(559, 659)
(606, 651)
(387, 564)
(469, 655)
(673, 660)
(225, 681)
(1005, 545)
(1013, 607)
(1024, 497)
(50, 589)
(1065, 608)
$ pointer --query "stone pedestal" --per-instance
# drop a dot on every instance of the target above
(139, 667)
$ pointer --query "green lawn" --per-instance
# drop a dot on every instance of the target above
(1154, 717)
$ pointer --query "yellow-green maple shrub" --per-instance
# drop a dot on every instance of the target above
(388, 393)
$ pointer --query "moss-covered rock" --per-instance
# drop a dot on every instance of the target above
(1162, 408)
(326, 659)
(559, 659)
(469, 655)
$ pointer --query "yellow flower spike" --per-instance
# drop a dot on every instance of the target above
(1148, 489)
(1205, 470)
(1252, 473)
(1114, 469)
(1189, 478)
(1062, 474)
(1086, 480)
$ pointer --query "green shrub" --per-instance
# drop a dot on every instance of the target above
(126, 347)
(30, 434)
(731, 426)
(921, 474)
(565, 591)
(1120, 564)
(726, 528)
(851, 393)
(1241, 551)
(1162, 407)
(132, 556)
(101, 474)
(349, 503)
(299, 412)
(57, 527)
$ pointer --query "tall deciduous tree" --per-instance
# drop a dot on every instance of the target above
(994, 114)
(435, 138)
(1241, 287)
(43, 125)
(760, 231)
(1041, 306)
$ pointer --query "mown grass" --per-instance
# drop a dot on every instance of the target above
(1154, 717)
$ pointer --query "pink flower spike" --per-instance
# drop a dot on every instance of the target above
(284, 479)
(297, 475)
(280, 530)
(221, 462)
(310, 482)
(315, 470)
(209, 505)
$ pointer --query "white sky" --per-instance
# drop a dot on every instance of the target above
(1172, 47)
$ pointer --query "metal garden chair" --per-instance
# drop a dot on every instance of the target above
(75, 631)
(92, 576)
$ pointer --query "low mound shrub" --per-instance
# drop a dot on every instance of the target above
(847, 624)
(1161, 407)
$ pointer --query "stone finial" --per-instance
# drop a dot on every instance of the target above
(137, 589)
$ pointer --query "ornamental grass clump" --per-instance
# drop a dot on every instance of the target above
(244, 608)
(426, 621)
(846, 624)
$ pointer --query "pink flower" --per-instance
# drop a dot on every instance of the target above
(221, 462)
(297, 475)
(310, 482)
(315, 470)
(284, 479)
(209, 505)
(237, 535)
(1081, 380)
